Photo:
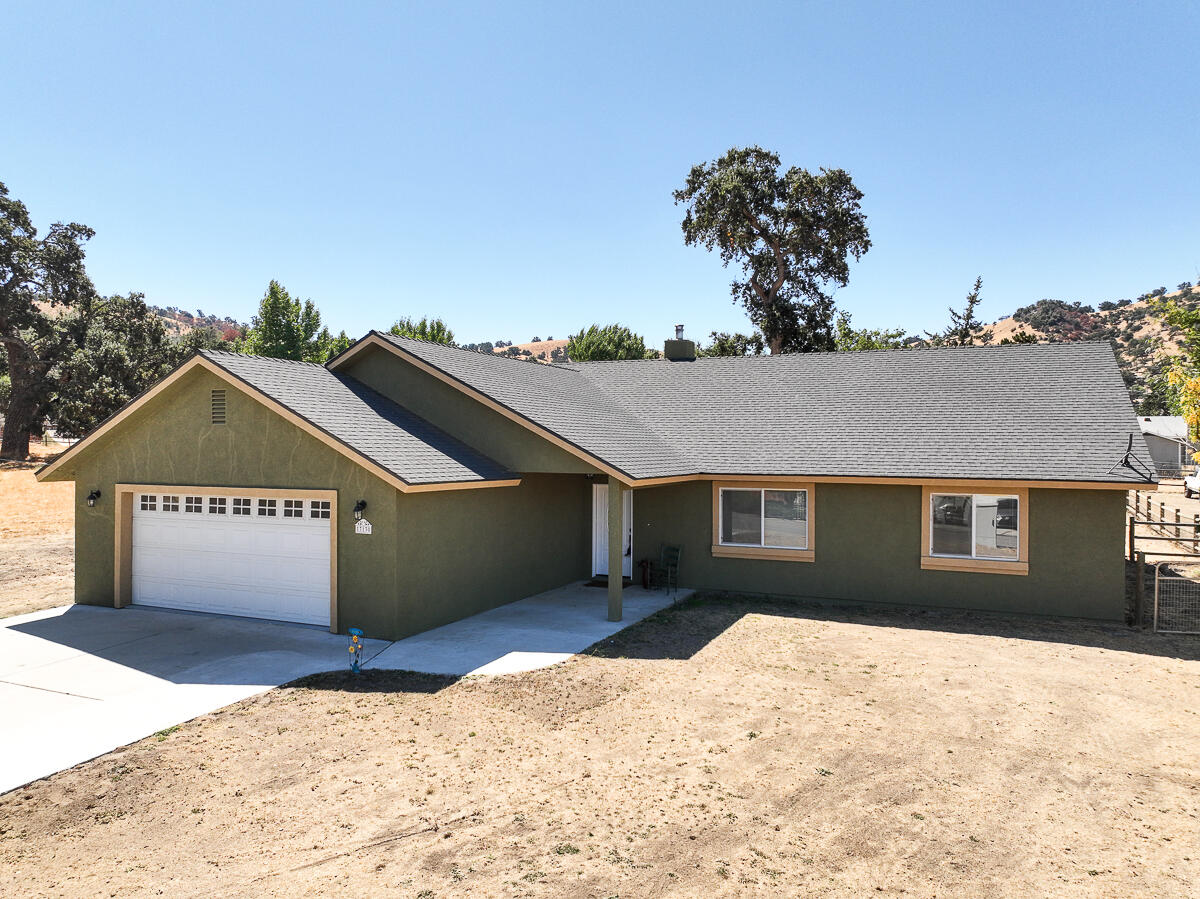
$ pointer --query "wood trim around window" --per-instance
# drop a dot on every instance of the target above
(768, 553)
(123, 542)
(985, 566)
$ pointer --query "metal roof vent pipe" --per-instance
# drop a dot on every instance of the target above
(680, 349)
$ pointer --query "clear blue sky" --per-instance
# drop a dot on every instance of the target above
(510, 167)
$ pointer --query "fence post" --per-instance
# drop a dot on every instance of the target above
(1139, 591)
(1131, 525)
(1178, 530)
(1196, 533)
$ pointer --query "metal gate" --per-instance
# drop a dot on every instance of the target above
(1176, 602)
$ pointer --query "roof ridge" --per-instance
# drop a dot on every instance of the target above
(208, 352)
(991, 347)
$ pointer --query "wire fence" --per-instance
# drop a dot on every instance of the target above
(1176, 608)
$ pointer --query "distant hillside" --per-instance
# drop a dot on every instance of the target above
(180, 321)
(544, 351)
(1144, 345)
(541, 350)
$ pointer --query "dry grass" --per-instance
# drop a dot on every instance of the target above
(37, 545)
(30, 509)
(724, 748)
(536, 347)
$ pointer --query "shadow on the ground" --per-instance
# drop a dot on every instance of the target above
(683, 630)
(374, 681)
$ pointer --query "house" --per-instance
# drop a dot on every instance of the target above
(1168, 444)
(407, 484)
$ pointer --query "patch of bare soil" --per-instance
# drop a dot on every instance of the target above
(722, 748)
(36, 573)
(37, 543)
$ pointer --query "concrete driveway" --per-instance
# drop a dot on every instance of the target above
(79, 681)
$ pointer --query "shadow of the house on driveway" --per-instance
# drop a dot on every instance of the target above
(681, 631)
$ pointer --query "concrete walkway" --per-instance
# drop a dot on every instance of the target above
(521, 636)
(79, 681)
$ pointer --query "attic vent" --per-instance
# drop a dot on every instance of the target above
(218, 407)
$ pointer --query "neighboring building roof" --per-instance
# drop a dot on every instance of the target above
(365, 421)
(1169, 427)
(1042, 412)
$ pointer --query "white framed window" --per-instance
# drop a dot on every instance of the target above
(967, 527)
(765, 518)
(241, 505)
(170, 504)
(975, 526)
(193, 504)
(217, 505)
(318, 508)
(266, 508)
(148, 502)
(293, 508)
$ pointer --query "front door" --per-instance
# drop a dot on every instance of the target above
(600, 531)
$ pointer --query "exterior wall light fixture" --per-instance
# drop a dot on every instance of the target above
(92, 497)
(358, 509)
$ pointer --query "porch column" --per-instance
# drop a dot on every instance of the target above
(616, 547)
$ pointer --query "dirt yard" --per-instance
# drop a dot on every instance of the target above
(724, 748)
(37, 543)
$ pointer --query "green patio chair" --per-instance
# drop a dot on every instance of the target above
(665, 574)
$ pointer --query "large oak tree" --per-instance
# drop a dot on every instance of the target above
(72, 357)
(791, 230)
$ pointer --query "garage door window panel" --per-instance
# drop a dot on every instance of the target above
(148, 502)
(170, 504)
(217, 505)
(241, 506)
(266, 508)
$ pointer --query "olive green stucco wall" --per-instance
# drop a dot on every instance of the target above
(867, 547)
(432, 557)
(494, 435)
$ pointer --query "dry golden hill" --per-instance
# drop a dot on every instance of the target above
(541, 350)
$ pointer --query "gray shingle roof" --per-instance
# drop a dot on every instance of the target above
(559, 399)
(1055, 412)
(363, 420)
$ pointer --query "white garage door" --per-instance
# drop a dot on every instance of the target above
(231, 554)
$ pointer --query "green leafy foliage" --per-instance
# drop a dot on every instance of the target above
(1019, 337)
(851, 339)
(433, 330)
(123, 349)
(726, 344)
(792, 232)
(289, 328)
(1182, 313)
(1060, 320)
(71, 356)
(964, 327)
(596, 343)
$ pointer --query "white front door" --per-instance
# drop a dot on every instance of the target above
(234, 555)
(600, 531)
